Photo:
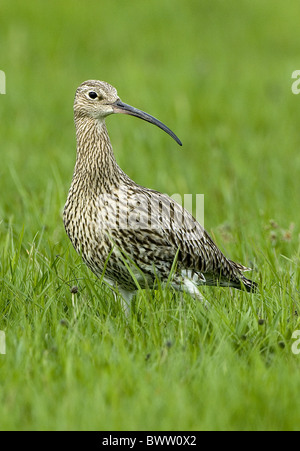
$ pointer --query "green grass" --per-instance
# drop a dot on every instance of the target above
(219, 74)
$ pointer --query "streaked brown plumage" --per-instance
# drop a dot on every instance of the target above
(115, 224)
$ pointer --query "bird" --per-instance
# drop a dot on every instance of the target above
(128, 235)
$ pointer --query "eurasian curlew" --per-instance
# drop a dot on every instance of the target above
(133, 233)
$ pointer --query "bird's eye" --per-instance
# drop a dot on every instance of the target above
(93, 94)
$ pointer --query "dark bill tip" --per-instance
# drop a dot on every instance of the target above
(120, 107)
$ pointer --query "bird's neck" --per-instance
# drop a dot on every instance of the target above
(96, 166)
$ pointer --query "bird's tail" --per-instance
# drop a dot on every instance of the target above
(250, 285)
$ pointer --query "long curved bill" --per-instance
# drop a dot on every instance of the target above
(120, 107)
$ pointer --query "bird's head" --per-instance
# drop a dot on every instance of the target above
(97, 99)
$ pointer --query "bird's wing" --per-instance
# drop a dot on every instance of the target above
(160, 227)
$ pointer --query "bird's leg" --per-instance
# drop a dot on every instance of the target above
(187, 285)
(126, 297)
